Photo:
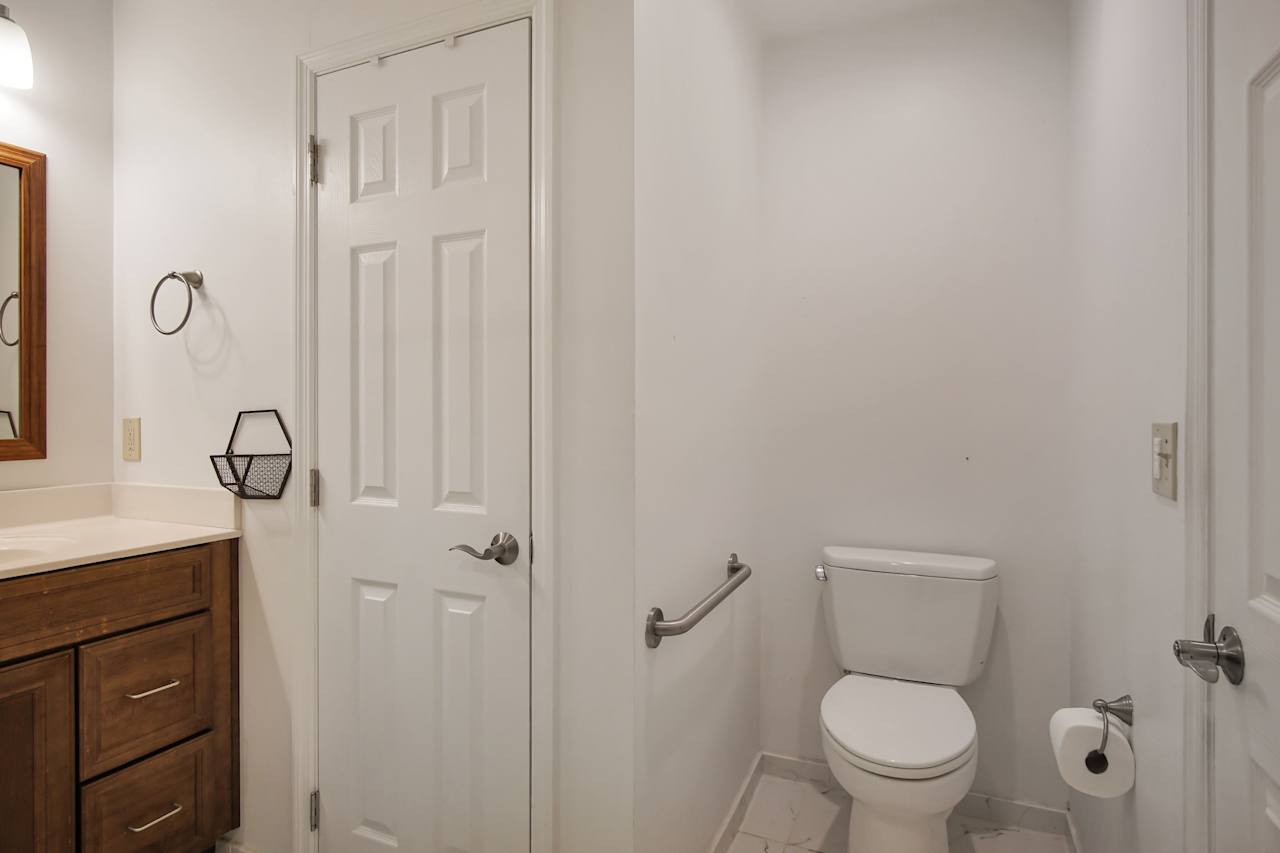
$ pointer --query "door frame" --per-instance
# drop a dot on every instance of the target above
(305, 681)
(1197, 771)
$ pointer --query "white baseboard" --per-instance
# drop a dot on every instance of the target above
(1004, 812)
(1014, 813)
(729, 828)
(796, 768)
(225, 846)
(1073, 836)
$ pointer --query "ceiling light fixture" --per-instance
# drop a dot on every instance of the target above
(15, 53)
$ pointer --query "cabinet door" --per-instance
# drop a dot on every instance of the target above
(37, 769)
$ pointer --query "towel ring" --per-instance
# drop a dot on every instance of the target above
(194, 280)
(4, 306)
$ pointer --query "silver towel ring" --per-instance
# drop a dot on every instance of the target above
(4, 306)
(194, 280)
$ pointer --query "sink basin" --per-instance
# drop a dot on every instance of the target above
(21, 548)
(11, 546)
(20, 555)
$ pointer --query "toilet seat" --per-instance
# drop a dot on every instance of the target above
(899, 729)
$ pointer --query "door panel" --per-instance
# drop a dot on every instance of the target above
(1246, 417)
(423, 313)
(37, 758)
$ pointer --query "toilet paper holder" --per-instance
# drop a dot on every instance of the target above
(1122, 708)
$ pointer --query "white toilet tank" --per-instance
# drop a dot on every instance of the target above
(906, 615)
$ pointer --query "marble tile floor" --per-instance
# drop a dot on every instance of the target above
(791, 815)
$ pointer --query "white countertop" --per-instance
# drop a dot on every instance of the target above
(44, 547)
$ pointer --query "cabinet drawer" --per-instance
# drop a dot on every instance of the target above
(144, 691)
(61, 608)
(162, 805)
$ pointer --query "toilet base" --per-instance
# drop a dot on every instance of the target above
(877, 830)
(892, 815)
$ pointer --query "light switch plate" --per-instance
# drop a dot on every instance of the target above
(131, 440)
(1164, 460)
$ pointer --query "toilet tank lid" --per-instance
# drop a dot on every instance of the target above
(910, 563)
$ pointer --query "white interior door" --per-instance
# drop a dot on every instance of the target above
(1245, 378)
(423, 400)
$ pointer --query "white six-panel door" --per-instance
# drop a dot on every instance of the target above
(423, 443)
(1245, 508)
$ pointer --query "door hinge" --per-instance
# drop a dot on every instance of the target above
(314, 486)
(315, 810)
(313, 158)
(531, 548)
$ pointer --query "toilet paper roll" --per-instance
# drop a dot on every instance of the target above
(1076, 733)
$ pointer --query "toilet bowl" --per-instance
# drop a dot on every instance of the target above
(906, 753)
(907, 628)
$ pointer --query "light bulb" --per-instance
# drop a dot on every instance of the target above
(15, 53)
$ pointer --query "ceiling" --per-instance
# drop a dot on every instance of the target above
(789, 18)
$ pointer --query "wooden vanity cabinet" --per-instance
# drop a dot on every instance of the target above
(119, 705)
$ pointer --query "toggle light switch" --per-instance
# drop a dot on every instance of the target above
(1164, 460)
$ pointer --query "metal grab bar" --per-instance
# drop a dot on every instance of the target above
(655, 628)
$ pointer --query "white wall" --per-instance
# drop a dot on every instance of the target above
(595, 411)
(67, 116)
(204, 166)
(1129, 179)
(908, 347)
(697, 696)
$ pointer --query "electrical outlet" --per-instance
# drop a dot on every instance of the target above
(131, 441)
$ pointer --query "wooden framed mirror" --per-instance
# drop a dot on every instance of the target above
(22, 304)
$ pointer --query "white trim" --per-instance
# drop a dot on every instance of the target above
(729, 826)
(1197, 719)
(1019, 813)
(434, 28)
(542, 600)
(773, 764)
(305, 692)
(1073, 834)
(225, 846)
(994, 810)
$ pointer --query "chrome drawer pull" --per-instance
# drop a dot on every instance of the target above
(174, 683)
(176, 808)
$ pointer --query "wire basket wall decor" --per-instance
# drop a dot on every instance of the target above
(254, 476)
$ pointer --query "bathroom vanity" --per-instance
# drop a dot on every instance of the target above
(119, 702)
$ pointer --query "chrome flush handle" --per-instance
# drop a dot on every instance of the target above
(504, 549)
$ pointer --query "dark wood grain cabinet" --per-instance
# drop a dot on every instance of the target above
(37, 761)
(119, 705)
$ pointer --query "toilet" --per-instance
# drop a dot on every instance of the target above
(907, 628)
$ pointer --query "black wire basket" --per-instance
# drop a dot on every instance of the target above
(254, 476)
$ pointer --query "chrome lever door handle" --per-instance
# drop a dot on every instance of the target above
(1207, 657)
(504, 549)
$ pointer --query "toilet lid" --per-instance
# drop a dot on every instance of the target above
(902, 726)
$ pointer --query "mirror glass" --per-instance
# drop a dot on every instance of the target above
(10, 270)
(22, 300)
